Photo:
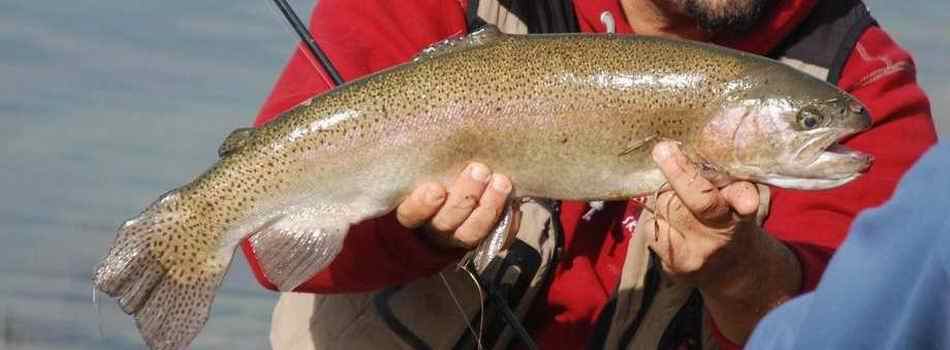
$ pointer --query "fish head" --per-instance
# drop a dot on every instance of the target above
(783, 128)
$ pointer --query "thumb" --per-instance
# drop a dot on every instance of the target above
(743, 197)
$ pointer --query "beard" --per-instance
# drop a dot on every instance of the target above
(725, 16)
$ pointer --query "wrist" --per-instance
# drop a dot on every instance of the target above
(762, 274)
(745, 265)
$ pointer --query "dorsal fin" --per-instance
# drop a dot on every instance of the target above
(481, 36)
(235, 141)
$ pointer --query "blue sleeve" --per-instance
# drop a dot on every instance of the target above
(887, 286)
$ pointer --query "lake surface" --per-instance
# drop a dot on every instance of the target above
(107, 104)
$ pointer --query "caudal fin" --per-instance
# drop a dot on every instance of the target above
(164, 269)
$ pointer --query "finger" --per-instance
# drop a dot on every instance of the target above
(421, 205)
(486, 215)
(743, 197)
(462, 198)
(697, 193)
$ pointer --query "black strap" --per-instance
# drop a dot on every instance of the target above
(381, 301)
(598, 340)
(848, 43)
(828, 36)
(550, 16)
(686, 328)
(499, 296)
(505, 281)
(472, 20)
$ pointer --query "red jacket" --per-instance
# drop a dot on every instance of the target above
(361, 37)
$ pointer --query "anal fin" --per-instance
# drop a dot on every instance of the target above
(294, 247)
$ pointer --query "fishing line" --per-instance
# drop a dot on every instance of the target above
(95, 302)
(656, 212)
(458, 304)
(317, 58)
(642, 203)
(300, 45)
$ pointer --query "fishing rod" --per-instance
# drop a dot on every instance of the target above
(307, 39)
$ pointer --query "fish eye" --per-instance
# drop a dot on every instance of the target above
(809, 118)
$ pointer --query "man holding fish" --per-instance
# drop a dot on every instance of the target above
(702, 273)
(651, 190)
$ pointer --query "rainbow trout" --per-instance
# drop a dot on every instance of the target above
(570, 117)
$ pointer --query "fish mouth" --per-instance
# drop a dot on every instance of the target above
(838, 153)
(839, 165)
(829, 164)
(834, 160)
(838, 161)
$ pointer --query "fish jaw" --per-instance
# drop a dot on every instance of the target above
(806, 184)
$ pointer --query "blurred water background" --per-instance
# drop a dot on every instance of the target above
(105, 104)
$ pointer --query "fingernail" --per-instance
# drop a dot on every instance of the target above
(478, 172)
(500, 184)
(663, 151)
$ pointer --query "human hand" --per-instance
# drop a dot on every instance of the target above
(702, 231)
(461, 216)
(707, 237)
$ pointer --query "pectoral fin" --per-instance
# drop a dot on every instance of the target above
(294, 247)
(493, 244)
